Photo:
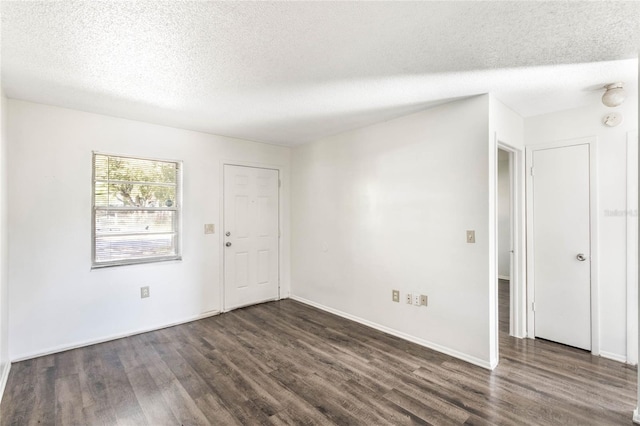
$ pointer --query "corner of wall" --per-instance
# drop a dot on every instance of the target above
(506, 128)
(505, 123)
(636, 412)
(5, 364)
(5, 368)
(346, 187)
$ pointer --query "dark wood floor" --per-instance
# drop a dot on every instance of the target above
(503, 306)
(287, 363)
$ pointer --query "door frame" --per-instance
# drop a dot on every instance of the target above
(517, 276)
(632, 247)
(281, 209)
(592, 142)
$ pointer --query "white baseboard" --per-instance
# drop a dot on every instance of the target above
(636, 416)
(436, 347)
(67, 347)
(493, 364)
(615, 357)
(4, 376)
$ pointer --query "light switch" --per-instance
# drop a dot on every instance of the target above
(471, 237)
(209, 228)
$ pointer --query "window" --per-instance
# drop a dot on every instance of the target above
(136, 210)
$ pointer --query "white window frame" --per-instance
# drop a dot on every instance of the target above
(177, 208)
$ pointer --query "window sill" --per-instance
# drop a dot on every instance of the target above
(136, 262)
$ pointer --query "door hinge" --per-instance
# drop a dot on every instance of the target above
(532, 171)
(533, 306)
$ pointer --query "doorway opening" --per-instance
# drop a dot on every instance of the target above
(505, 240)
(510, 309)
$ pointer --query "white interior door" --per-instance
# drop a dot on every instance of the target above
(250, 237)
(561, 238)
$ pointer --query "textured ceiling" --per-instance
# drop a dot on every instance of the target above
(291, 72)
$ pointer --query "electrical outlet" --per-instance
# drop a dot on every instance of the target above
(409, 299)
(423, 300)
(395, 296)
(416, 300)
(144, 292)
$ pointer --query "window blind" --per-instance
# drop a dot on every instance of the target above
(136, 210)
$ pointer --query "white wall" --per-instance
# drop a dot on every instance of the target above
(504, 216)
(636, 412)
(57, 301)
(506, 125)
(387, 207)
(611, 187)
(4, 257)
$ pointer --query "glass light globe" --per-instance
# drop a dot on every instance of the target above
(614, 96)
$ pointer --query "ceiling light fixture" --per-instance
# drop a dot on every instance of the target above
(614, 96)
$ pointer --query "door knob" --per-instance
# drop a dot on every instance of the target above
(228, 234)
(581, 257)
(228, 244)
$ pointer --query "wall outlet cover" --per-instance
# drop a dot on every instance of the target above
(423, 300)
(409, 299)
(209, 228)
(144, 292)
(416, 300)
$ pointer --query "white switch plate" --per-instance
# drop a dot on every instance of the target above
(395, 295)
(471, 237)
(209, 228)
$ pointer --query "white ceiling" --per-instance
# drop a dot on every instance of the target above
(292, 72)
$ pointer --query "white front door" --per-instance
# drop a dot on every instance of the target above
(250, 236)
(561, 244)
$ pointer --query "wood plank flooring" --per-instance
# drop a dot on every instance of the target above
(284, 363)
